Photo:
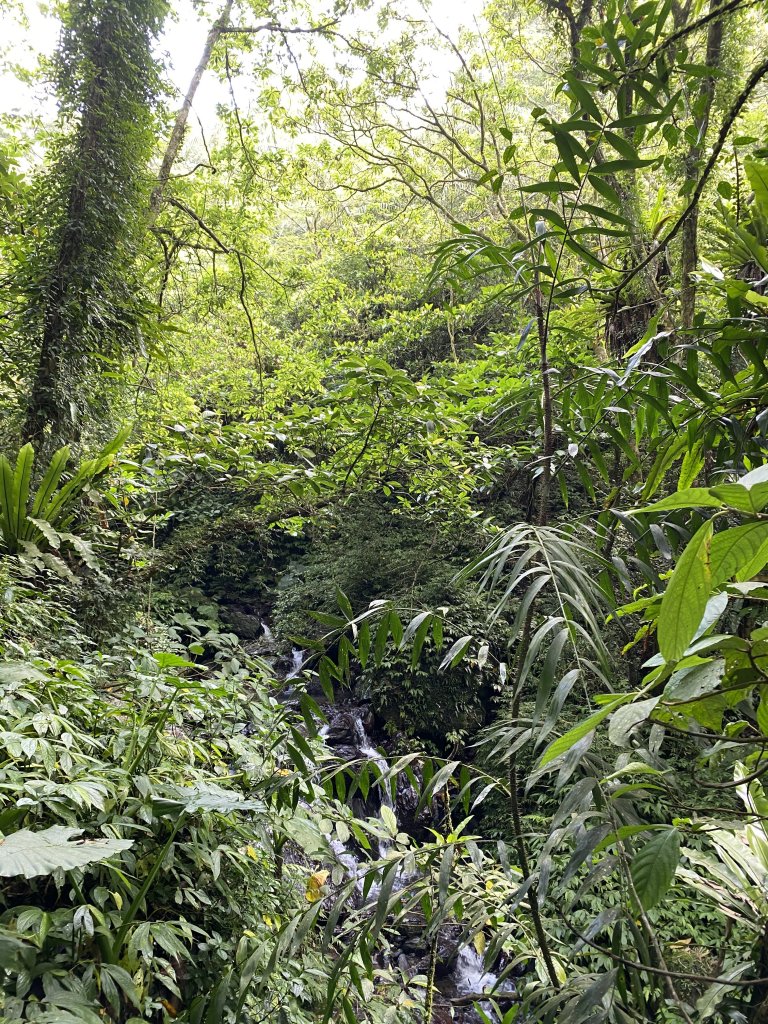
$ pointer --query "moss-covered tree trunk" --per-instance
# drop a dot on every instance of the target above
(82, 297)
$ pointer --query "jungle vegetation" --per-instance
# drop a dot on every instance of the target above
(384, 514)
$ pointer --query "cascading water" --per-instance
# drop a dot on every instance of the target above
(297, 663)
(346, 731)
(469, 973)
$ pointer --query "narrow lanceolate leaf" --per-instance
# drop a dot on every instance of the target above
(456, 653)
(686, 596)
(564, 743)
(653, 867)
(21, 482)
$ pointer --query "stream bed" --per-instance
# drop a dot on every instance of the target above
(348, 734)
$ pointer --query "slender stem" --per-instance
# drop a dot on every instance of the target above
(139, 897)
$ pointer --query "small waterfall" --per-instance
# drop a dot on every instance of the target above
(469, 973)
(297, 661)
(366, 748)
(346, 732)
(267, 631)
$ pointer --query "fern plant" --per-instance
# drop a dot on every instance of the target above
(40, 518)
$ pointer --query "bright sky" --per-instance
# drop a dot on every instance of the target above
(183, 42)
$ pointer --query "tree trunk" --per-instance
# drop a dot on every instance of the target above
(689, 250)
(177, 135)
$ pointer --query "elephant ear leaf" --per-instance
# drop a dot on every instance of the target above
(653, 867)
(29, 853)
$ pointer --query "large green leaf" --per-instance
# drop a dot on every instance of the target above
(686, 596)
(741, 552)
(745, 499)
(757, 175)
(691, 497)
(29, 853)
(653, 867)
(7, 504)
(50, 481)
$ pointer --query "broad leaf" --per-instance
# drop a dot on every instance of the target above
(29, 853)
(692, 497)
(739, 552)
(757, 174)
(686, 596)
(653, 867)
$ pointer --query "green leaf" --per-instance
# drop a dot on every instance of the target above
(611, 166)
(755, 477)
(741, 552)
(696, 681)
(29, 853)
(686, 596)
(6, 505)
(653, 867)
(564, 743)
(364, 643)
(455, 653)
(50, 481)
(757, 175)
(550, 187)
(627, 718)
(48, 532)
(21, 482)
(583, 96)
(692, 465)
(691, 497)
(743, 499)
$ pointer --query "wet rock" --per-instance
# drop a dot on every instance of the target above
(342, 730)
(365, 716)
(415, 944)
(343, 751)
(447, 949)
(448, 945)
(315, 689)
(244, 622)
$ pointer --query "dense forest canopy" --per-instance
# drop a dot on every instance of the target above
(383, 490)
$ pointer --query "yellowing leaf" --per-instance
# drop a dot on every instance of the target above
(315, 886)
(479, 943)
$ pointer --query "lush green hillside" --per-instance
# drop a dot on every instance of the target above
(383, 539)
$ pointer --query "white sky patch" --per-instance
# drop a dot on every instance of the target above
(180, 48)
